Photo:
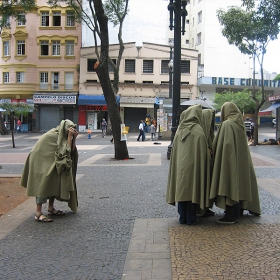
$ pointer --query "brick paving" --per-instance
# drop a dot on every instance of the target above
(241, 251)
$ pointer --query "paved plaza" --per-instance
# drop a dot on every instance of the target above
(124, 230)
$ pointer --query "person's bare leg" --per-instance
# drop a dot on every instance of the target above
(52, 210)
(38, 209)
(51, 202)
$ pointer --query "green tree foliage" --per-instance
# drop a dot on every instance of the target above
(13, 110)
(277, 78)
(12, 9)
(250, 30)
(242, 99)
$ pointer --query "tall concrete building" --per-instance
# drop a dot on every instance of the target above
(220, 66)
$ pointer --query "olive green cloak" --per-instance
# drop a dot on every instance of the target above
(189, 170)
(50, 168)
(233, 178)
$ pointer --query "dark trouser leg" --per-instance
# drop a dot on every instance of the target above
(182, 212)
(187, 212)
(232, 212)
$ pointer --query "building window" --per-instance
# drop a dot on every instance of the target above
(199, 59)
(129, 66)
(110, 68)
(56, 48)
(21, 47)
(90, 65)
(69, 80)
(164, 67)
(45, 17)
(187, 42)
(6, 48)
(55, 80)
(70, 19)
(199, 38)
(148, 66)
(56, 19)
(192, 42)
(21, 19)
(185, 67)
(44, 80)
(199, 17)
(44, 48)
(20, 77)
(69, 48)
(6, 77)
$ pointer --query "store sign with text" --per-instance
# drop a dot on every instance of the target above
(97, 107)
(54, 99)
(243, 82)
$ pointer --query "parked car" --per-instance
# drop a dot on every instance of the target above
(274, 123)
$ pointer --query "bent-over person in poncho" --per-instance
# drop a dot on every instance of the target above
(50, 170)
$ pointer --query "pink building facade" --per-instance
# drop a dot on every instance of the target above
(39, 62)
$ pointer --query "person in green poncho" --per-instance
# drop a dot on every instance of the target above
(208, 125)
(189, 171)
(234, 184)
(50, 170)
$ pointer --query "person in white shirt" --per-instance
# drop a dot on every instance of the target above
(141, 132)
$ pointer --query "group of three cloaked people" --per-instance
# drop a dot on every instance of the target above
(207, 169)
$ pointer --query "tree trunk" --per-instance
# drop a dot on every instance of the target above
(12, 118)
(3, 129)
(121, 151)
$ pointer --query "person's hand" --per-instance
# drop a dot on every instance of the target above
(73, 132)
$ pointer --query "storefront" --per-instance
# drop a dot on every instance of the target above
(50, 109)
(134, 109)
(92, 108)
(26, 120)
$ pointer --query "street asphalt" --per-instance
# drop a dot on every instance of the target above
(120, 204)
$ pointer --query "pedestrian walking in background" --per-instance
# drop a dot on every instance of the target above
(234, 185)
(247, 124)
(103, 127)
(89, 133)
(252, 128)
(19, 126)
(189, 171)
(50, 170)
(141, 131)
(153, 132)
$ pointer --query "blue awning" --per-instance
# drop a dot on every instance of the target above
(270, 108)
(85, 99)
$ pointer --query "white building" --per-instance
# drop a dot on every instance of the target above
(221, 66)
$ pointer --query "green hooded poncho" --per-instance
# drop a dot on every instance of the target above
(50, 168)
(233, 178)
(189, 170)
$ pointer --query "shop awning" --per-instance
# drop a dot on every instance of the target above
(268, 110)
(85, 99)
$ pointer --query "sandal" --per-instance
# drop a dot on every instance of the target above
(55, 212)
(42, 218)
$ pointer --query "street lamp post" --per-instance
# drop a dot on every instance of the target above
(170, 66)
(177, 9)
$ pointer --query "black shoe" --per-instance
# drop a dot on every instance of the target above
(225, 222)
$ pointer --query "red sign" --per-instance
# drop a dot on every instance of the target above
(274, 98)
(18, 100)
(97, 108)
